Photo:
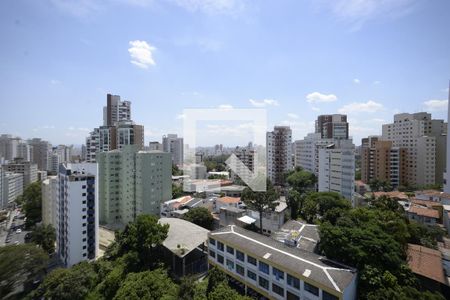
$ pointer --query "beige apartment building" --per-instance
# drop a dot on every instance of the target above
(424, 139)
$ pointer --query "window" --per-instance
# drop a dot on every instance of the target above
(328, 296)
(212, 253)
(230, 264)
(230, 250)
(84, 247)
(240, 270)
(294, 282)
(312, 289)
(240, 256)
(212, 241)
(278, 289)
(251, 260)
(220, 246)
(251, 275)
(263, 282)
(279, 275)
(220, 258)
(291, 296)
(264, 267)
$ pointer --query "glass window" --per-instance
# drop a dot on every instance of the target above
(240, 255)
(212, 241)
(328, 296)
(220, 246)
(291, 296)
(292, 281)
(220, 258)
(251, 275)
(278, 289)
(212, 253)
(251, 260)
(312, 289)
(263, 267)
(279, 275)
(240, 270)
(263, 282)
(230, 250)
(230, 264)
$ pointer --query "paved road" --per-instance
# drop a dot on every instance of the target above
(12, 237)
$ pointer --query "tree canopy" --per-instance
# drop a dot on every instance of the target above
(201, 217)
(300, 182)
(31, 201)
(45, 237)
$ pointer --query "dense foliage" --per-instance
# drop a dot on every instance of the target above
(31, 201)
(200, 216)
(300, 182)
(45, 237)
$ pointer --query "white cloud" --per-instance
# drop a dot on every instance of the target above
(358, 107)
(359, 12)
(436, 105)
(180, 116)
(315, 108)
(264, 102)
(55, 81)
(292, 116)
(212, 6)
(376, 82)
(141, 54)
(317, 97)
(357, 81)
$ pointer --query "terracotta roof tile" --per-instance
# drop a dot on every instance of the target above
(426, 262)
(230, 199)
(423, 211)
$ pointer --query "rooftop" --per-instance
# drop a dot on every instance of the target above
(230, 200)
(306, 236)
(435, 193)
(423, 211)
(426, 262)
(393, 194)
(294, 260)
(183, 236)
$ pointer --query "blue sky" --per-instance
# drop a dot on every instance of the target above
(296, 58)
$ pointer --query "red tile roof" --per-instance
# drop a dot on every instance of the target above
(230, 200)
(426, 262)
(394, 194)
(423, 211)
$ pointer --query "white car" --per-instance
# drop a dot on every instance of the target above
(16, 243)
(19, 230)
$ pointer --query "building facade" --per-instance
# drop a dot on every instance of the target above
(337, 169)
(132, 182)
(116, 110)
(269, 268)
(424, 139)
(279, 152)
(8, 146)
(27, 169)
(40, 153)
(77, 213)
(12, 187)
(247, 156)
(447, 171)
(49, 200)
(174, 145)
(332, 126)
(383, 162)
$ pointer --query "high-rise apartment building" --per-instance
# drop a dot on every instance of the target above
(279, 152)
(370, 141)
(152, 146)
(24, 151)
(424, 139)
(306, 152)
(173, 144)
(116, 110)
(447, 171)
(8, 146)
(12, 187)
(118, 130)
(77, 213)
(332, 126)
(132, 182)
(27, 169)
(337, 168)
(383, 162)
(49, 200)
(40, 152)
(247, 155)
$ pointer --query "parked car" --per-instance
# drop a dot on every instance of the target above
(19, 230)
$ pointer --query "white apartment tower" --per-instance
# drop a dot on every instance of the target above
(41, 152)
(77, 213)
(174, 145)
(279, 153)
(424, 139)
(337, 168)
(247, 156)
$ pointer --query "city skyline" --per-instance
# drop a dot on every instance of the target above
(60, 60)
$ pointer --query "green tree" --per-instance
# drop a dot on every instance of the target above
(424, 235)
(177, 191)
(186, 289)
(200, 216)
(32, 203)
(45, 237)
(176, 171)
(324, 204)
(223, 291)
(141, 241)
(261, 201)
(20, 264)
(147, 285)
(215, 277)
(73, 283)
(300, 182)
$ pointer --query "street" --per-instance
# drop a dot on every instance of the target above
(10, 236)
